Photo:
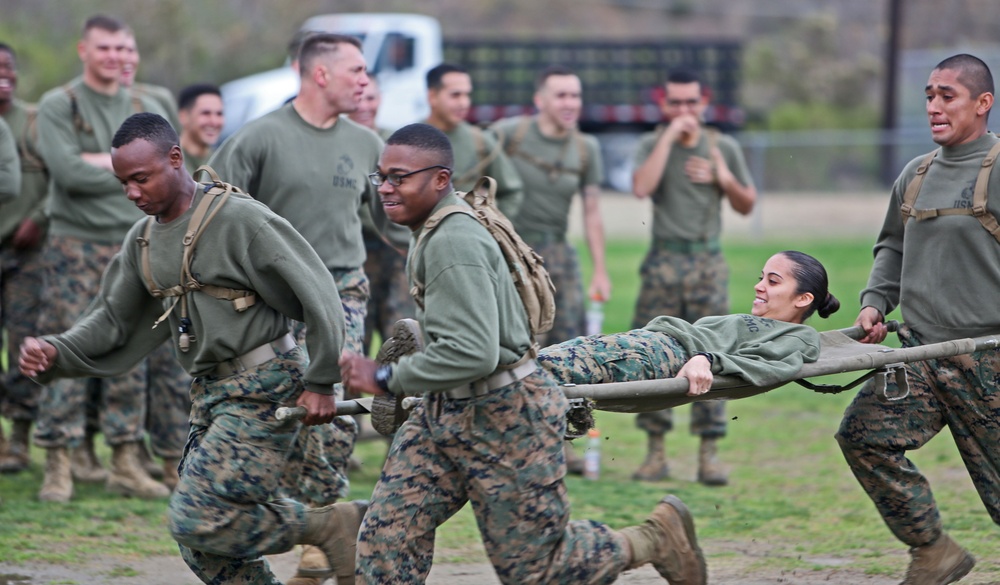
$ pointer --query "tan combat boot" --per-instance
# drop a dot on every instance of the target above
(313, 567)
(655, 467)
(939, 563)
(170, 476)
(128, 478)
(147, 462)
(15, 457)
(667, 540)
(710, 469)
(85, 464)
(334, 529)
(58, 483)
(574, 463)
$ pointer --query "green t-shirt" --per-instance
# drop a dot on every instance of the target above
(943, 272)
(471, 146)
(547, 196)
(162, 96)
(86, 202)
(245, 247)
(759, 350)
(10, 164)
(34, 178)
(316, 178)
(473, 319)
(192, 162)
(682, 210)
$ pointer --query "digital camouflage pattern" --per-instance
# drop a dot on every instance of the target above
(317, 469)
(168, 391)
(875, 435)
(622, 357)
(21, 278)
(503, 452)
(689, 286)
(224, 514)
(390, 298)
(563, 265)
(73, 269)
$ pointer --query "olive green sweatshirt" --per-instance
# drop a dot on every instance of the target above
(10, 164)
(759, 350)
(86, 202)
(34, 179)
(944, 272)
(245, 247)
(473, 319)
(316, 178)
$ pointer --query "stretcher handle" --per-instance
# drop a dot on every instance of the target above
(857, 332)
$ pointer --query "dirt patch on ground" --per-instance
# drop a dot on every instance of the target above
(730, 562)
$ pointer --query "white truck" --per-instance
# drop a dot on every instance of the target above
(399, 49)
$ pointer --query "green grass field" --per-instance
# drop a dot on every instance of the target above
(790, 489)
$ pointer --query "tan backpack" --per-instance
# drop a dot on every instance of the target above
(526, 267)
(979, 197)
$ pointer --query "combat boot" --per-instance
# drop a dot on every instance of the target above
(16, 456)
(170, 476)
(939, 563)
(655, 467)
(710, 469)
(58, 483)
(313, 567)
(574, 463)
(667, 540)
(128, 478)
(147, 462)
(85, 464)
(334, 529)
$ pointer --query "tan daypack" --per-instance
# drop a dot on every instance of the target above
(526, 267)
(979, 196)
(216, 192)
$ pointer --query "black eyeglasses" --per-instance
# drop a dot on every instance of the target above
(396, 179)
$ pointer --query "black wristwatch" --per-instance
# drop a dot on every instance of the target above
(708, 356)
(382, 376)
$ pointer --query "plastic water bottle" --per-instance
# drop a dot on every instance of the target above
(595, 316)
(592, 458)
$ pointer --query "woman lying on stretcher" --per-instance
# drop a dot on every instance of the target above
(765, 347)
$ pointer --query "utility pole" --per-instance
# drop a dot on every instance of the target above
(888, 150)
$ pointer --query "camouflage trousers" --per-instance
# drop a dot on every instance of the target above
(621, 357)
(564, 268)
(689, 286)
(390, 298)
(73, 270)
(962, 393)
(503, 452)
(317, 470)
(21, 277)
(224, 514)
(168, 402)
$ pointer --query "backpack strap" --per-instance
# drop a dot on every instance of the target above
(913, 189)
(980, 195)
(82, 125)
(418, 287)
(553, 168)
(200, 219)
(30, 161)
(486, 157)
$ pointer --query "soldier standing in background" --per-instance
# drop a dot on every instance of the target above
(688, 170)
(199, 109)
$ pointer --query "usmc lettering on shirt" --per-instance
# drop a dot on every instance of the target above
(344, 174)
(966, 196)
(754, 324)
